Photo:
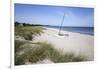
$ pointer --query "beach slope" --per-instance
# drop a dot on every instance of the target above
(72, 42)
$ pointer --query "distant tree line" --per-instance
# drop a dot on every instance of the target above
(26, 24)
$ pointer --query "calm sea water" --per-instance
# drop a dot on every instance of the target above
(82, 30)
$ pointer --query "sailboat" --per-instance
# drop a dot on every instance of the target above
(60, 27)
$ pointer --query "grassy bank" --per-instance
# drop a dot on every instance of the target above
(34, 52)
(28, 32)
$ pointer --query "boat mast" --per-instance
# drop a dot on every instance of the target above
(61, 24)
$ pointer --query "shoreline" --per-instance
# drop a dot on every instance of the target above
(74, 42)
(85, 33)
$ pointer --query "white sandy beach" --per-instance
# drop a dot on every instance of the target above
(75, 42)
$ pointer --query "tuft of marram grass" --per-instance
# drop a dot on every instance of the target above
(18, 45)
(27, 32)
(43, 50)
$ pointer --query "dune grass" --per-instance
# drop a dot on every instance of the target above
(28, 31)
(42, 50)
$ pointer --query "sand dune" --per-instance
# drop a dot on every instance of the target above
(75, 42)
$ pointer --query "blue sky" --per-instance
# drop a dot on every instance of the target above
(52, 15)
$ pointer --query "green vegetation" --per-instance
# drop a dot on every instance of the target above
(28, 32)
(18, 45)
(26, 24)
(35, 52)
